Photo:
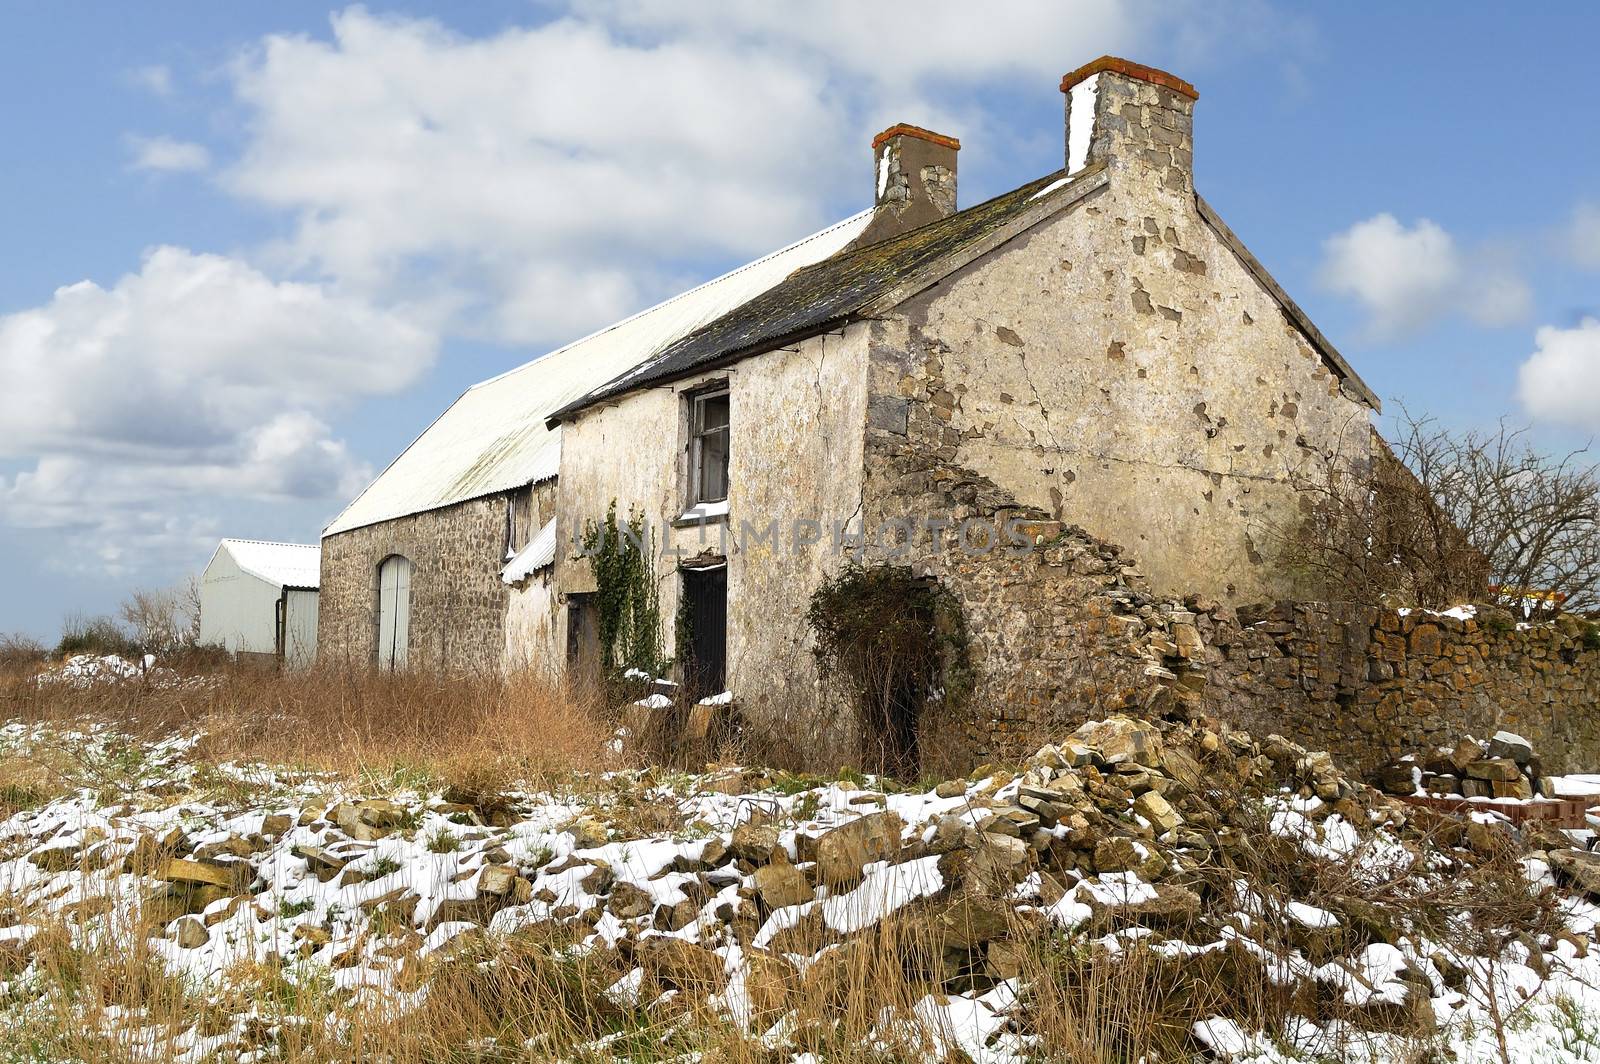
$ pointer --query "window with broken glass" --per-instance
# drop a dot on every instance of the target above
(708, 447)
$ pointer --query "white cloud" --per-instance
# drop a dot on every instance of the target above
(166, 155)
(155, 79)
(1560, 381)
(1408, 278)
(543, 180)
(193, 381)
(524, 186)
(1583, 236)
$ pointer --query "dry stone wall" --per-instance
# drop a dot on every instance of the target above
(1372, 684)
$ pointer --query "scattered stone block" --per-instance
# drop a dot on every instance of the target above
(228, 875)
(845, 850)
(780, 885)
(1504, 744)
(1497, 768)
(1158, 811)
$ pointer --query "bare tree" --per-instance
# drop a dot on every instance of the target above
(1438, 518)
(188, 596)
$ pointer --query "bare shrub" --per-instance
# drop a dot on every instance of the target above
(892, 641)
(20, 652)
(100, 635)
(1439, 518)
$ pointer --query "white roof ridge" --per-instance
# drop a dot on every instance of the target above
(685, 294)
(493, 437)
(271, 542)
(295, 565)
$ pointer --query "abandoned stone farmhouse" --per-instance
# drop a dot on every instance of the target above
(1079, 409)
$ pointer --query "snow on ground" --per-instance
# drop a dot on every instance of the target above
(341, 886)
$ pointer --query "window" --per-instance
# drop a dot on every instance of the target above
(708, 447)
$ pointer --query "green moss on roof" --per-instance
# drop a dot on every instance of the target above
(823, 295)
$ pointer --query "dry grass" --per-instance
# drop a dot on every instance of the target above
(474, 732)
(528, 997)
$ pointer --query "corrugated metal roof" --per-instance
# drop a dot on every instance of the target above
(540, 552)
(494, 437)
(284, 564)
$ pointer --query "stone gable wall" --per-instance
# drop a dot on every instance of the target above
(458, 602)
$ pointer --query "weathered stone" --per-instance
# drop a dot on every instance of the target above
(56, 858)
(497, 880)
(970, 920)
(1494, 769)
(229, 875)
(1518, 788)
(990, 866)
(190, 933)
(680, 965)
(780, 885)
(708, 723)
(1122, 854)
(1158, 811)
(1117, 903)
(628, 902)
(1506, 744)
(845, 850)
(754, 841)
(770, 981)
(587, 832)
(1121, 739)
(1397, 777)
(323, 864)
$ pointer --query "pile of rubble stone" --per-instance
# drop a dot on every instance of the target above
(1503, 766)
(1240, 866)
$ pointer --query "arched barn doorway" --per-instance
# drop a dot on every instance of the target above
(394, 611)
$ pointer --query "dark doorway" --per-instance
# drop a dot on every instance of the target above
(705, 597)
(583, 642)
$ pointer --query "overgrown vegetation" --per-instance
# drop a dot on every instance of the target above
(1440, 518)
(895, 642)
(622, 557)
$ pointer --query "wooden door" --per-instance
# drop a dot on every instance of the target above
(394, 612)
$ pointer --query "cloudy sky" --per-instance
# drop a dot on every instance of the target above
(251, 250)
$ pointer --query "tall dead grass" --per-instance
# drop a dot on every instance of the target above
(473, 731)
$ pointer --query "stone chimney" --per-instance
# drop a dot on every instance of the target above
(915, 171)
(1134, 118)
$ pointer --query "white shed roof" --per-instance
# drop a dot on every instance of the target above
(494, 437)
(284, 564)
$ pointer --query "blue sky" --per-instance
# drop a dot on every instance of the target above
(254, 249)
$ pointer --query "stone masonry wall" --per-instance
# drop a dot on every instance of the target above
(1372, 684)
(1070, 629)
(458, 602)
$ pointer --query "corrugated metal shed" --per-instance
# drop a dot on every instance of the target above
(261, 598)
(494, 437)
(284, 564)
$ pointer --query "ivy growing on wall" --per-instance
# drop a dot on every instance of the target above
(627, 602)
(895, 642)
